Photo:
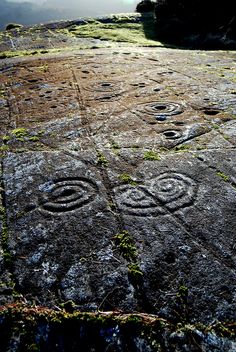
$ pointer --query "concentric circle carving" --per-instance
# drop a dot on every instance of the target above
(158, 111)
(174, 190)
(137, 201)
(68, 194)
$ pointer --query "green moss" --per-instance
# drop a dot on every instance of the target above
(226, 137)
(4, 148)
(223, 176)
(4, 237)
(19, 133)
(135, 147)
(151, 155)
(181, 308)
(6, 138)
(119, 30)
(40, 132)
(125, 178)
(22, 323)
(215, 126)
(182, 291)
(111, 205)
(115, 147)
(134, 319)
(182, 148)
(43, 68)
(2, 212)
(101, 159)
(164, 149)
(34, 139)
(19, 53)
(125, 244)
(135, 271)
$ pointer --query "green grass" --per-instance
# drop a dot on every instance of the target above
(125, 243)
(151, 155)
(9, 54)
(101, 159)
(125, 178)
(120, 30)
(223, 176)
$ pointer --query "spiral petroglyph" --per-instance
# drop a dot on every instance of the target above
(168, 191)
(137, 201)
(67, 194)
(174, 190)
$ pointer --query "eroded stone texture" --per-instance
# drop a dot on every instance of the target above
(1, 228)
(146, 99)
(103, 142)
(64, 212)
(60, 207)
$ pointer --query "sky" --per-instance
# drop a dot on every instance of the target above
(41, 11)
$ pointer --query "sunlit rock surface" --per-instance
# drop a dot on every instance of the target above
(118, 183)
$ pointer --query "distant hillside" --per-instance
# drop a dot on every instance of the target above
(28, 13)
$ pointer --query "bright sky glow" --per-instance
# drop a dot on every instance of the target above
(43, 11)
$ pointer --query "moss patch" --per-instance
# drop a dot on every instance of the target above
(151, 155)
(223, 176)
(35, 328)
(101, 159)
(119, 30)
(9, 54)
(125, 178)
(126, 246)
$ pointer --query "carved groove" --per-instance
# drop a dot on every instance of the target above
(68, 194)
(169, 191)
(106, 90)
(104, 87)
(174, 190)
(172, 134)
(158, 111)
(137, 201)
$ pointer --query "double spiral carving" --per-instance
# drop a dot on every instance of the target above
(137, 201)
(167, 192)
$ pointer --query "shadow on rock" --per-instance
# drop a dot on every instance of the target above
(192, 24)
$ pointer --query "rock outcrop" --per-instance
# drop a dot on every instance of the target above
(208, 24)
(117, 191)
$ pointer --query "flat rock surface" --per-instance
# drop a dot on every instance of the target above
(127, 143)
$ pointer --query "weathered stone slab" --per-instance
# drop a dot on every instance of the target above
(65, 210)
(119, 98)
(62, 242)
(119, 194)
(1, 229)
(182, 216)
